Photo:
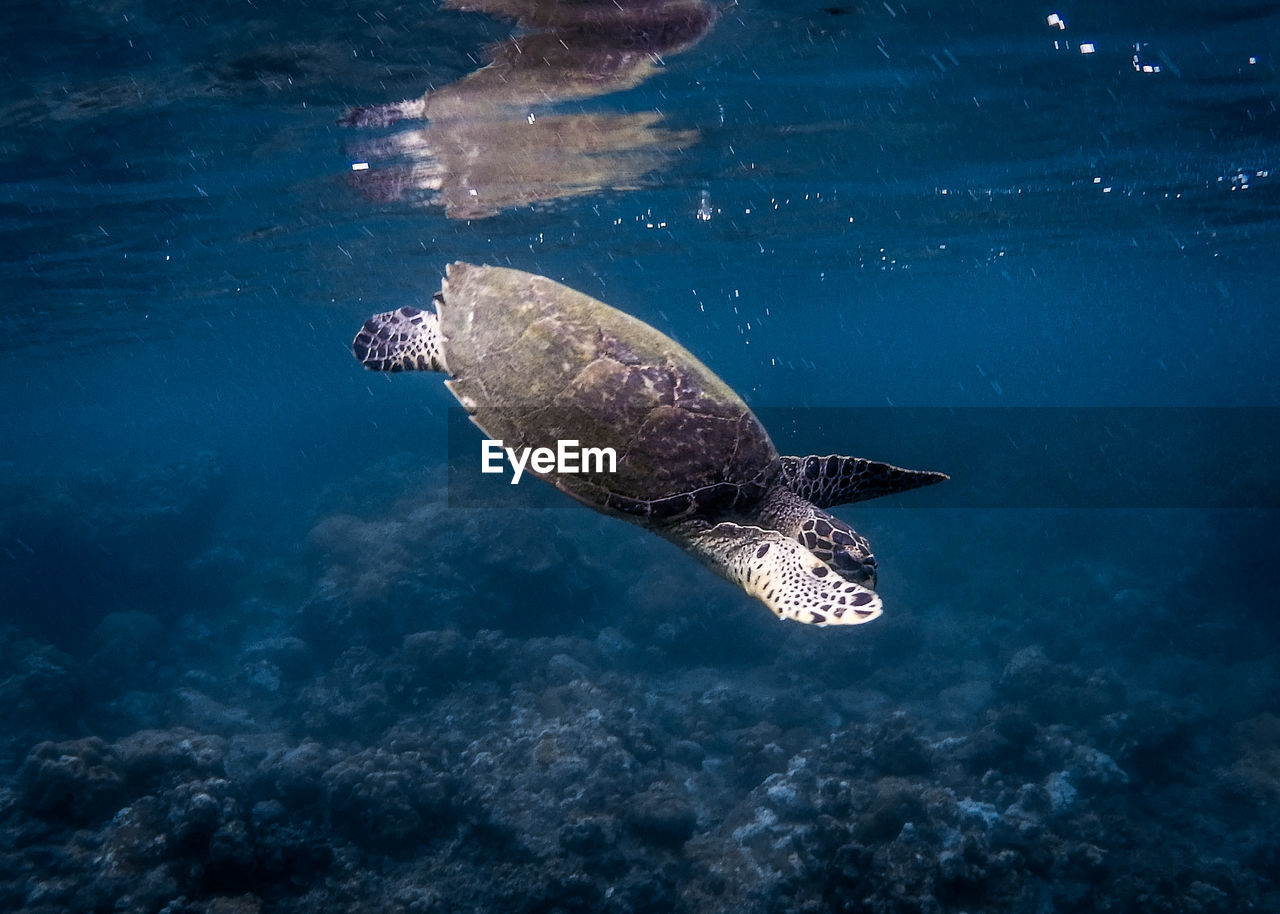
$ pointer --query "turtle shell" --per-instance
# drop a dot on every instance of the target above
(535, 363)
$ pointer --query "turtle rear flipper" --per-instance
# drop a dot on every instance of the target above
(784, 575)
(407, 339)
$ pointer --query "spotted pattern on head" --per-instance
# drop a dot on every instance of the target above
(795, 584)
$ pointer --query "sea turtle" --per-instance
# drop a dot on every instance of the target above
(535, 362)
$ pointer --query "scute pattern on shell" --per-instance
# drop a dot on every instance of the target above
(800, 587)
(537, 362)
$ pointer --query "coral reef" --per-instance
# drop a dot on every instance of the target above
(428, 731)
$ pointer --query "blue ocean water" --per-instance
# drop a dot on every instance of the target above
(254, 658)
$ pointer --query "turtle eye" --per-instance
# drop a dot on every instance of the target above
(854, 566)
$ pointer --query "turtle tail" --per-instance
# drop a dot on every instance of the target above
(407, 339)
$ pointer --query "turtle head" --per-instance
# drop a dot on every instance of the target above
(843, 548)
(827, 537)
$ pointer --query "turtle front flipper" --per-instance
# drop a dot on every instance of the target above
(407, 339)
(784, 575)
(837, 480)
